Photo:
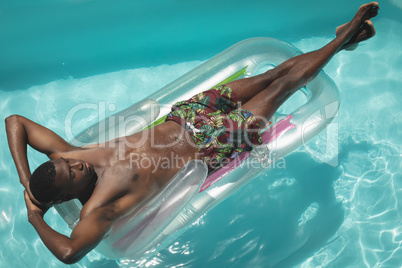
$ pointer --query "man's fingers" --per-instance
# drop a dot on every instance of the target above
(26, 196)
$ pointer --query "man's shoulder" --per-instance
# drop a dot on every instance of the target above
(106, 211)
(110, 203)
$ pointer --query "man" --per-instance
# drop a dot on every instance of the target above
(210, 126)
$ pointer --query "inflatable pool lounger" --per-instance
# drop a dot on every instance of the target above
(191, 192)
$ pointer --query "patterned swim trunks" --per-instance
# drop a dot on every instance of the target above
(218, 127)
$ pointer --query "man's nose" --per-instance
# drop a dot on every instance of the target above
(78, 165)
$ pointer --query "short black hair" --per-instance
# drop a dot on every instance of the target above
(42, 183)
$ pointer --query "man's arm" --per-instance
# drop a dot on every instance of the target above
(85, 236)
(21, 132)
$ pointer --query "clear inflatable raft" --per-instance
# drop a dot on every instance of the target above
(191, 192)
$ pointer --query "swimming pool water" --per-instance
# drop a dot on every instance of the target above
(336, 204)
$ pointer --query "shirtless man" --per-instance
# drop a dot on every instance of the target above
(109, 187)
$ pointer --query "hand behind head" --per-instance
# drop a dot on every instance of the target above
(33, 206)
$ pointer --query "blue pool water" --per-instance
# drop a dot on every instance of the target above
(338, 202)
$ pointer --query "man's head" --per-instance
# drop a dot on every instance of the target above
(42, 183)
(61, 180)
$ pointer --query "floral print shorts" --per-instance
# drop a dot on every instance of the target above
(219, 128)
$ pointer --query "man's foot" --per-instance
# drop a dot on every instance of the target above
(365, 32)
(360, 28)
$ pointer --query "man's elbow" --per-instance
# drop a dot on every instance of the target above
(12, 119)
(69, 260)
(70, 257)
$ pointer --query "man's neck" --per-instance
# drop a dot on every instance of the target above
(88, 192)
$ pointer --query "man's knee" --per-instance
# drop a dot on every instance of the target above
(285, 83)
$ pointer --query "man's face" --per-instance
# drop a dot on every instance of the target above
(72, 176)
